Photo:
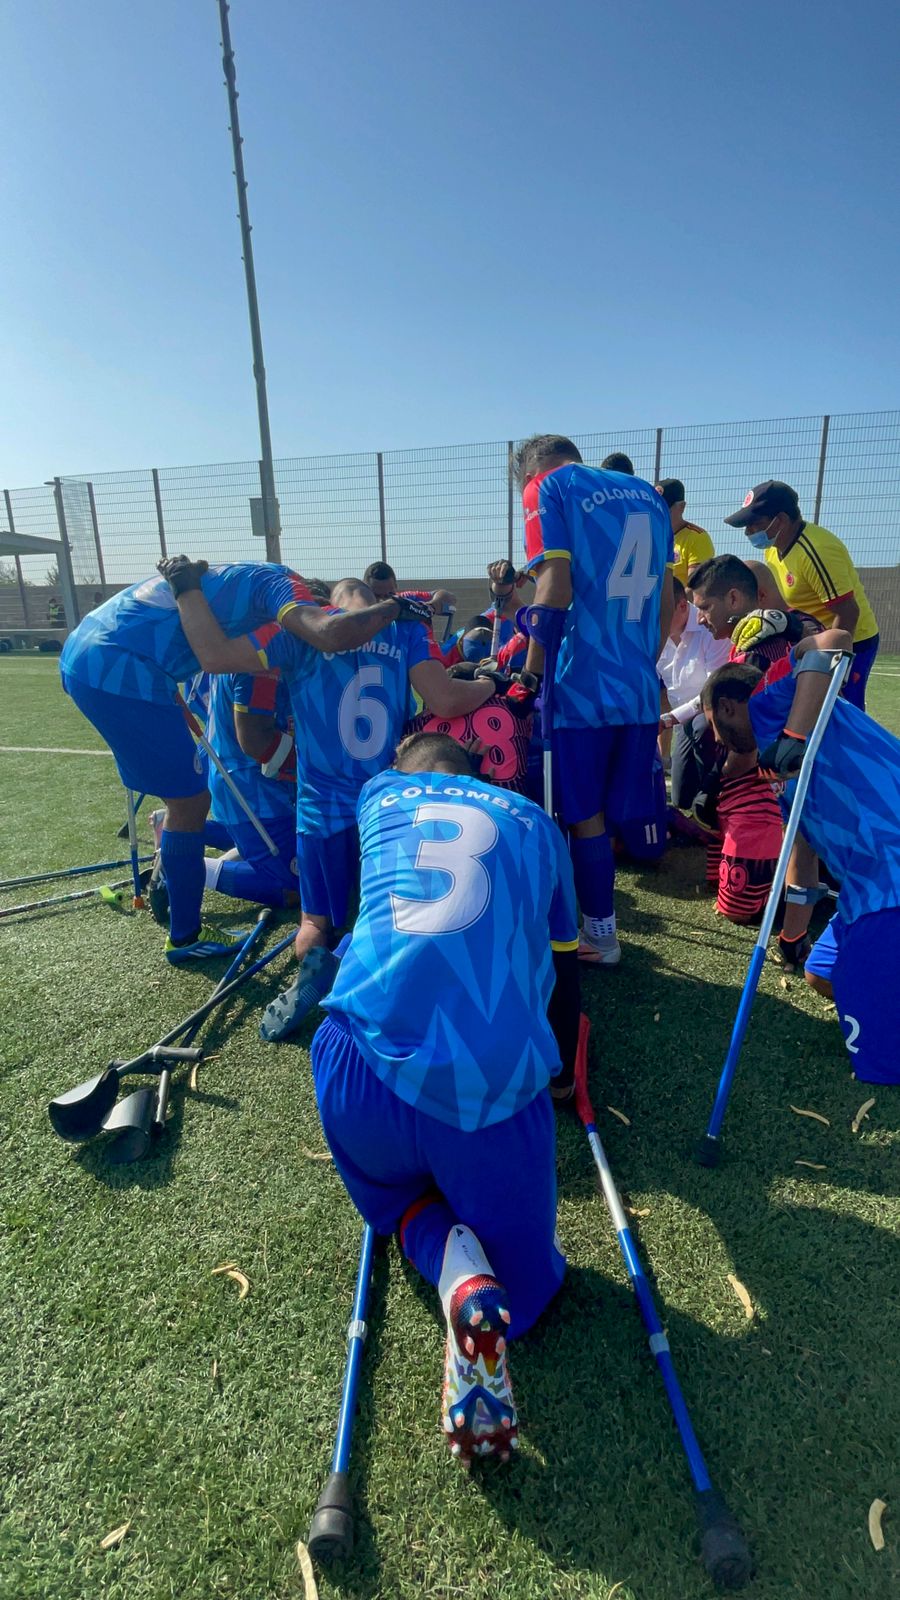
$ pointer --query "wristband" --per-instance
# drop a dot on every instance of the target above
(276, 754)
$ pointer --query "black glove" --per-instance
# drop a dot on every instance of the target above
(412, 610)
(467, 670)
(500, 680)
(522, 692)
(182, 574)
(705, 808)
(783, 758)
(502, 586)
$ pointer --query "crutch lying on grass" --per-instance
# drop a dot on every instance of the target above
(68, 872)
(84, 1111)
(724, 1550)
(708, 1149)
(331, 1529)
(110, 894)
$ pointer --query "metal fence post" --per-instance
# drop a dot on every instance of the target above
(66, 570)
(271, 511)
(510, 502)
(11, 523)
(657, 465)
(159, 512)
(382, 515)
(97, 545)
(820, 481)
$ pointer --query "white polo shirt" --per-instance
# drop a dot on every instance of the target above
(684, 667)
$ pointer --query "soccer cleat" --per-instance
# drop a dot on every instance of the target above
(605, 953)
(207, 943)
(478, 1413)
(313, 982)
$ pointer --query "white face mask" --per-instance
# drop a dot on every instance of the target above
(761, 538)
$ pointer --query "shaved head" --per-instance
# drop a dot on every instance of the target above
(770, 596)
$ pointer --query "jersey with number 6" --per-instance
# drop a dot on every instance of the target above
(617, 533)
(349, 710)
(449, 971)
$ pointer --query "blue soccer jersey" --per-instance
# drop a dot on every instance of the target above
(349, 711)
(251, 695)
(851, 815)
(134, 645)
(617, 533)
(449, 971)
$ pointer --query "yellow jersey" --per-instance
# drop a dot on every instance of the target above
(692, 545)
(815, 573)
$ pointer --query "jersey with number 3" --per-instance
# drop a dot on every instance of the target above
(617, 533)
(449, 971)
(349, 711)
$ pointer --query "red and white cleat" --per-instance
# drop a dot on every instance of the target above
(478, 1413)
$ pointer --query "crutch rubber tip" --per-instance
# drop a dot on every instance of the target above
(725, 1552)
(331, 1529)
(707, 1151)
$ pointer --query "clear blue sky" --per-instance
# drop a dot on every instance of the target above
(470, 221)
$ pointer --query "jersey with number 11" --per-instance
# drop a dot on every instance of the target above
(617, 533)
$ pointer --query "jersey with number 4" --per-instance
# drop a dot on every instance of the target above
(617, 533)
(449, 971)
(349, 710)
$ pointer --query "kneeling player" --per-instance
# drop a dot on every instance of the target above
(432, 1069)
(851, 818)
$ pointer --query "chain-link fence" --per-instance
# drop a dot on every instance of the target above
(441, 514)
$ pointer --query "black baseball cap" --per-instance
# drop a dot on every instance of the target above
(766, 500)
(671, 489)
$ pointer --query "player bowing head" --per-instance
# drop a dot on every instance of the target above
(432, 1069)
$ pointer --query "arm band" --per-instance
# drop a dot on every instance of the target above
(818, 661)
(276, 755)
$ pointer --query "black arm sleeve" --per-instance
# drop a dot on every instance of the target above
(564, 1013)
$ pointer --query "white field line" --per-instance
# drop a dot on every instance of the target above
(41, 750)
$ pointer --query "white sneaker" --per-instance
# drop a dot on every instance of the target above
(604, 953)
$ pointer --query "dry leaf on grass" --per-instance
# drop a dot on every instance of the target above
(876, 1512)
(192, 1080)
(638, 1211)
(315, 1155)
(229, 1270)
(861, 1115)
(656, 1016)
(816, 1166)
(785, 983)
(214, 1373)
(743, 1296)
(310, 1589)
(816, 1115)
(118, 1534)
(621, 1116)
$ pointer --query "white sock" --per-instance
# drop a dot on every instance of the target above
(599, 929)
(213, 866)
(463, 1258)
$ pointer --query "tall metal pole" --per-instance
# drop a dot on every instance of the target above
(271, 519)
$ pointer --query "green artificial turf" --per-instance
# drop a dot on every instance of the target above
(110, 1319)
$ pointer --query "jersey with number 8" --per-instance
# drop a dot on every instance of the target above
(449, 971)
(617, 533)
(348, 711)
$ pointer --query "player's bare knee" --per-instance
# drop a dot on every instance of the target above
(187, 813)
(821, 985)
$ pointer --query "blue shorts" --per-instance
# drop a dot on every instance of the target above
(153, 749)
(646, 839)
(605, 769)
(823, 955)
(863, 661)
(864, 979)
(328, 867)
(500, 1181)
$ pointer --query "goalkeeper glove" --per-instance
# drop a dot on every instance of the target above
(182, 574)
(412, 610)
(760, 626)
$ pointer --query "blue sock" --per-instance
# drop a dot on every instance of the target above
(216, 835)
(185, 873)
(595, 874)
(423, 1234)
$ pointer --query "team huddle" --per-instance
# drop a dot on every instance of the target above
(447, 816)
